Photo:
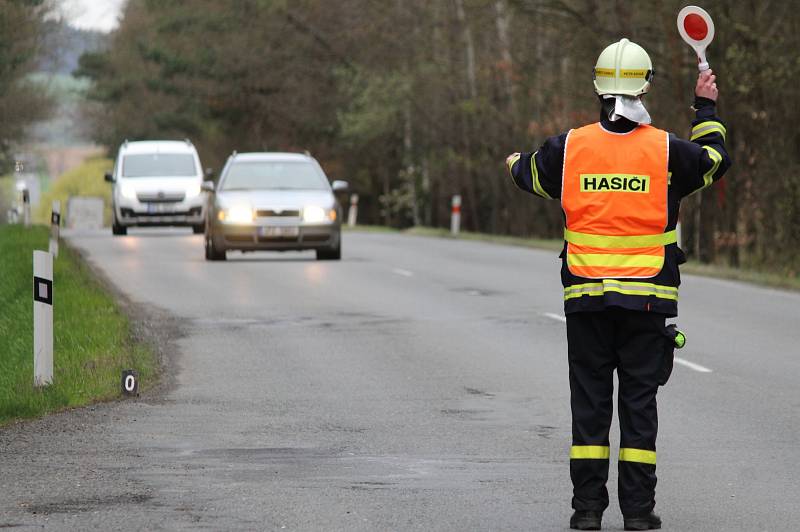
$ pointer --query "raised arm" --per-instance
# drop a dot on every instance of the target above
(539, 172)
(703, 159)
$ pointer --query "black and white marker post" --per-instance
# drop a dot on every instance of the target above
(42, 318)
(55, 223)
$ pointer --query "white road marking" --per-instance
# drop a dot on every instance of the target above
(404, 273)
(553, 316)
(692, 365)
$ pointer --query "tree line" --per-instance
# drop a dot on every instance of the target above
(22, 100)
(413, 101)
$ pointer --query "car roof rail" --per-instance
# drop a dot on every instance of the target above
(125, 142)
(187, 141)
(308, 153)
(233, 153)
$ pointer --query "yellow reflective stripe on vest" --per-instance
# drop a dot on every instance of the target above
(710, 126)
(537, 186)
(618, 242)
(513, 161)
(589, 452)
(614, 260)
(642, 456)
(631, 288)
(708, 178)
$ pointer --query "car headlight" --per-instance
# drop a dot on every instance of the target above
(238, 214)
(128, 191)
(313, 214)
(193, 191)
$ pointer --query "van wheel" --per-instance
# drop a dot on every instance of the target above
(117, 229)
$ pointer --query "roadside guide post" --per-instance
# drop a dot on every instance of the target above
(26, 207)
(55, 223)
(352, 214)
(455, 215)
(42, 318)
(697, 29)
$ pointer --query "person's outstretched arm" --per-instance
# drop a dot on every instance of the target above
(539, 172)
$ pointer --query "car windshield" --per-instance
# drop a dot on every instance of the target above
(158, 165)
(274, 175)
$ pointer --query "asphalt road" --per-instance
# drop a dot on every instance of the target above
(418, 384)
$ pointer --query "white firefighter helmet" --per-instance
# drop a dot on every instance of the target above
(623, 68)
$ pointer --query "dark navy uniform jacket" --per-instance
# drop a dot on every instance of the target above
(694, 164)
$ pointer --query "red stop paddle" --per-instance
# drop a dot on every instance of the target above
(697, 29)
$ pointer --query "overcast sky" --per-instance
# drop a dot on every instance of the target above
(98, 15)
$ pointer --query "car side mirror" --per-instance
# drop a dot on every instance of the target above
(340, 186)
(109, 177)
(207, 186)
(209, 174)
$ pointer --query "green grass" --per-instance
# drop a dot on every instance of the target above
(85, 180)
(92, 341)
(763, 278)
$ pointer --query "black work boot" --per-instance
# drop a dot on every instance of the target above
(644, 522)
(585, 520)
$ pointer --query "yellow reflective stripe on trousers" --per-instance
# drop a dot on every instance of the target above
(710, 126)
(537, 186)
(623, 287)
(584, 452)
(614, 260)
(618, 242)
(716, 158)
(626, 454)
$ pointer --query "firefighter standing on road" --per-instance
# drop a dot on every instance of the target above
(620, 182)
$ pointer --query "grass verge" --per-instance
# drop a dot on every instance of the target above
(85, 180)
(770, 279)
(92, 341)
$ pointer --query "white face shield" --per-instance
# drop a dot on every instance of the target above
(630, 107)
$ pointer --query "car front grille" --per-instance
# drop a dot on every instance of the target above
(270, 213)
(160, 197)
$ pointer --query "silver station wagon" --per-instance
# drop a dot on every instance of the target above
(273, 201)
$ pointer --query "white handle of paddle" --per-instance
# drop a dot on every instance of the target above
(702, 62)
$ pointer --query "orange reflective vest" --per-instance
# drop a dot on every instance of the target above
(614, 196)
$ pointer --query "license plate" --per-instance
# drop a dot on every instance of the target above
(280, 231)
(155, 208)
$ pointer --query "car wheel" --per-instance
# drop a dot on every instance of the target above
(330, 254)
(198, 229)
(116, 228)
(212, 253)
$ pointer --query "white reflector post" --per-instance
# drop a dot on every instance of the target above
(55, 223)
(352, 214)
(42, 318)
(455, 215)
